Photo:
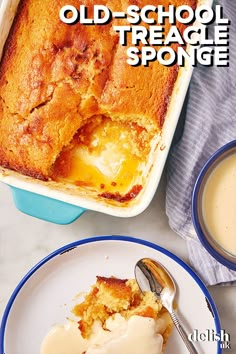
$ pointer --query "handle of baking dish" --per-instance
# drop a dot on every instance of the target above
(45, 208)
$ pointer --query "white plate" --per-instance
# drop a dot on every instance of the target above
(45, 296)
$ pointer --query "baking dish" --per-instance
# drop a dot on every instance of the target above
(51, 202)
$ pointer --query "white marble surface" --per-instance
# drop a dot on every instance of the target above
(25, 240)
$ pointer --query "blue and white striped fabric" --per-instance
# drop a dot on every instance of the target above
(210, 122)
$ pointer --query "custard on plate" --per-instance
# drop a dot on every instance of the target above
(114, 317)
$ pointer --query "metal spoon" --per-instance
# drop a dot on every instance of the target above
(152, 276)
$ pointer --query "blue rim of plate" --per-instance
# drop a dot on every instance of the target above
(195, 217)
(107, 238)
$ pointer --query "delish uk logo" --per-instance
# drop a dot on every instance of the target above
(210, 335)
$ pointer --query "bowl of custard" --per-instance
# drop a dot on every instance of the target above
(214, 205)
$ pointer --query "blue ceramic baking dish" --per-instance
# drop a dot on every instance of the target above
(63, 205)
(45, 208)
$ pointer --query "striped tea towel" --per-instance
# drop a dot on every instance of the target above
(210, 122)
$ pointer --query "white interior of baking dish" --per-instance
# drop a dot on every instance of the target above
(85, 197)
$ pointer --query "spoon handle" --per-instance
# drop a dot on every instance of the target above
(183, 334)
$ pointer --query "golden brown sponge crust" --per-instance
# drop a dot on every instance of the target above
(110, 296)
(54, 77)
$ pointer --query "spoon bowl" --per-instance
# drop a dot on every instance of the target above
(153, 276)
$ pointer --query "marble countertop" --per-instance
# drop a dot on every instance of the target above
(25, 240)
